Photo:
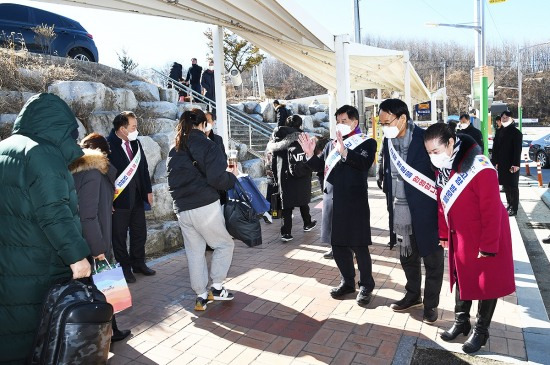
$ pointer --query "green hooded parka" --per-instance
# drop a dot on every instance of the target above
(40, 232)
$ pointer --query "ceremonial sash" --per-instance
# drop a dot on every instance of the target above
(456, 184)
(334, 156)
(410, 175)
(123, 179)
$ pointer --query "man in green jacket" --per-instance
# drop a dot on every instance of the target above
(40, 232)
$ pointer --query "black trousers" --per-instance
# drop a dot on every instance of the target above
(132, 220)
(434, 266)
(512, 196)
(287, 218)
(343, 256)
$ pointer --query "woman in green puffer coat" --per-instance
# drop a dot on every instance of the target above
(40, 233)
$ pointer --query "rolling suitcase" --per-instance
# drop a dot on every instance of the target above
(75, 326)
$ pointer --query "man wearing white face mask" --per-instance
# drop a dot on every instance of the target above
(507, 157)
(132, 193)
(410, 189)
(465, 127)
(346, 213)
(207, 82)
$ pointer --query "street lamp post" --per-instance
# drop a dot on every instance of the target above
(520, 79)
(479, 27)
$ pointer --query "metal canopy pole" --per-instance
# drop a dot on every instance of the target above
(219, 81)
(260, 74)
(407, 80)
(343, 86)
(359, 94)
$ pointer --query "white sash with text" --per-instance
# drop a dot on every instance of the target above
(123, 179)
(334, 156)
(410, 175)
(456, 184)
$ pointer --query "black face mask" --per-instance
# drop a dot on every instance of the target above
(74, 134)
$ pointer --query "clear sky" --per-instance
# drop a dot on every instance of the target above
(155, 42)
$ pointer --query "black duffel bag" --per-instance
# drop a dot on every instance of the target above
(240, 219)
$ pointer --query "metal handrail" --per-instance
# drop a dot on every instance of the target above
(232, 112)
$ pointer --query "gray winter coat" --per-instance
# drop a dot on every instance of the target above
(94, 179)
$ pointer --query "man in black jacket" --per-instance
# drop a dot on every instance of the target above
(414, 213)
(346, 212)
(507, 158)
(194, 76)
(176, 73)
(207, 82)
(465, 127)
(281, 113)
(129, 206)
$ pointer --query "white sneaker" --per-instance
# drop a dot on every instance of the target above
(221, 294)
(267, 218)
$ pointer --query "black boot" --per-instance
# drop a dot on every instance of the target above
(480, 335)
(118, 335)
(462, 318)
(462, 325)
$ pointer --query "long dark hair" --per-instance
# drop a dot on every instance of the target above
(188, 120)
(443, 132)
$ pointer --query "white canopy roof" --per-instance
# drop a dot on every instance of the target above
(287, 32)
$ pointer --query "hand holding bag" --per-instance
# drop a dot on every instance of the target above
(110, 281)
(241, 220)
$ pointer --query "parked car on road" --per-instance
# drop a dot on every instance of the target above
(539, 150)
(71, 40)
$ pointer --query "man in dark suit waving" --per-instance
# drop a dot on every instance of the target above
(132, 192)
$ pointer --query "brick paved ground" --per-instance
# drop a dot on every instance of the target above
(283, 314)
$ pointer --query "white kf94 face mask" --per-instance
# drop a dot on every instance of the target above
(132, 136)
(441, 160)
(343, 128)
(390, 132)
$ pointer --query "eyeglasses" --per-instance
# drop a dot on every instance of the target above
(388, 123)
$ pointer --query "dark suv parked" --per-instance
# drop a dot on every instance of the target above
(72, 40)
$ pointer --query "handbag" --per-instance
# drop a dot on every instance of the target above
(276, 205)
(241, 220)
(109, 279)
(257, 200)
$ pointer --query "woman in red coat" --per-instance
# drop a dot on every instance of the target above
(474, 226)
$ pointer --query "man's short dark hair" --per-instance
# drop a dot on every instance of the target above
(122, 120)
(396, 107)
(464, 116)
(351, 112)
(294, 121)
(276, 102)
(497, 118)
(506, 112)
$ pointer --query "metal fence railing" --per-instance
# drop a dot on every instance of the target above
(242, 127)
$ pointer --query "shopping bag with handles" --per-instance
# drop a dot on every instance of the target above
(109, 279)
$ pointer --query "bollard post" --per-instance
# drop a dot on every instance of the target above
(527, 171)
(539, 173)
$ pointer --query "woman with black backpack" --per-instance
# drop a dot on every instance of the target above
(197, 169)
(293, 176)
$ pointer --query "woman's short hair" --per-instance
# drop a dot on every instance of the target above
(96, 141)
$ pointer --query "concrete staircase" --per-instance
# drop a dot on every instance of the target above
(256, 142)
